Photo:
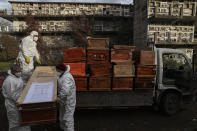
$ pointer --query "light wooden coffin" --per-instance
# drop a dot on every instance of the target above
(124, 70)
(37, 103)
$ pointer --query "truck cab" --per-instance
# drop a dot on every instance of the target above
(175, 80)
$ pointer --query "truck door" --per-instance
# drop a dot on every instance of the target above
(176, 70)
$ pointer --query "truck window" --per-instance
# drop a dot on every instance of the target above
(175, 61)
(174, 67)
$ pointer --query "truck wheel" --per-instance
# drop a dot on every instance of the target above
(194, 97)
(170, 103)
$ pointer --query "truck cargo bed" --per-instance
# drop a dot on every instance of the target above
(91, 99)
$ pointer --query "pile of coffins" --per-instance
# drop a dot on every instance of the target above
(101, 68)
(145, 69)
(76, 59)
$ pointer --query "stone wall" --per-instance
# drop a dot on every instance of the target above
(174, 8)
(170, 33)
(55, 9)
(66, 25)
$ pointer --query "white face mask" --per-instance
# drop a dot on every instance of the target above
(35, 38)
(18, 74)
(58, 74)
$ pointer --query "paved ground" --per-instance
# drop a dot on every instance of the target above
(142, 119)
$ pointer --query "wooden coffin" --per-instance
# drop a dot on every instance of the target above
(121, 55)
(100, 84)
(77, 69)
(100, 70)
(81, 83)
(144, 83)
(36, 114)
(120, 83)
(144, 57)
(146, 71)
(127, 47)
(98, 43)
(98, 56)
(75, 55)
(124, 70)
(37, 103)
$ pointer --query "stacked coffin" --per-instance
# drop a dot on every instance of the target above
(102, 63)
(76, 59)
(145, 69)
(123, 69)
(99, 66)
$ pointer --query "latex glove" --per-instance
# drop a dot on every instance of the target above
(38, 61)
(27, 60)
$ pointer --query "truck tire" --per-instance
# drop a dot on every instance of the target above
(194, 97)
(170, 103)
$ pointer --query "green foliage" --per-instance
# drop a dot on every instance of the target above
(5, 66)
(10, 45)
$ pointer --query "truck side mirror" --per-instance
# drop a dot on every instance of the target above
(194, 63)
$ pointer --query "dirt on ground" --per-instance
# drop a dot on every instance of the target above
(136, 119)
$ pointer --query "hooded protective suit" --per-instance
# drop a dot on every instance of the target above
(11, 89)
(67, 95)
(28, 50)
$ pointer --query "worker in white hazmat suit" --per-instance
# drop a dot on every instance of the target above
(28, 52)
(11, 90)
(66, 97)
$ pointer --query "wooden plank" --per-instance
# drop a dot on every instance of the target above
(100, 89)
(77, 69)
(100, 83)
(127, 47)
(121, 55)
(144, 57)
(101, 70)
(122, 83)
(122, 89)
(98, 56)
(81, 83)
(74, 55)
(124, 70)
(147, 58)
(48, 116)
(144, 83)
(146, 71)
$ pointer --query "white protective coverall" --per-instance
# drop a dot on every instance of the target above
(67, 95)
(12, 89)
(28, 49)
